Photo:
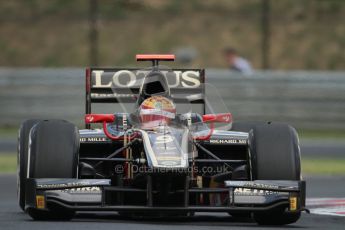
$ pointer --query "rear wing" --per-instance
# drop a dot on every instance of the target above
(122, 85)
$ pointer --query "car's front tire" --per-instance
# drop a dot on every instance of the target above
(22, 157)
(53, 153)
(276, 157)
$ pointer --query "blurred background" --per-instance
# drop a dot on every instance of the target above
(289, 35)
(270, 60)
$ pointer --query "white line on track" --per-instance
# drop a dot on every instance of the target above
(327, 206)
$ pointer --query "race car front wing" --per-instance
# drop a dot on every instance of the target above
(93, 195)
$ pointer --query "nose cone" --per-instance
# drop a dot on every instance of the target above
(167, 150)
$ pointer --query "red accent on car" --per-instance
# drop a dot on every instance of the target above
(116, 138)
(99, 118)
(208, 136)
(148, 57)
(221, 118)
(106, 118)
(212, 118)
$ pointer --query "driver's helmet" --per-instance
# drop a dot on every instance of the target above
(156, 111)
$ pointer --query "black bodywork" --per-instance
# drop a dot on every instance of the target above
(107, 182)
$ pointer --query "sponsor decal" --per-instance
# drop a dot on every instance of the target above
(252, 185)
(163, 139)
(253, 192)
(110, 95)
(228, 141)
(133, 78)
(83, 190)
(260, 185)
(63, 185)
(93, 139)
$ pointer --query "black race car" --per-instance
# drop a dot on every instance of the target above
(170, 154)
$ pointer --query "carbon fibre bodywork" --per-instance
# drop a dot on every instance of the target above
(181, 165)
(93, 195)
(238, 195)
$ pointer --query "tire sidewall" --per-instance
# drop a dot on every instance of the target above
(275, 159)
(22, 157)
(53, 153)
(276, 156)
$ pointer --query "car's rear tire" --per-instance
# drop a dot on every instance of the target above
(276, 157)
(53, 153)
(22, 157)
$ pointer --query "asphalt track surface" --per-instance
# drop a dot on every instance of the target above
(11, 216)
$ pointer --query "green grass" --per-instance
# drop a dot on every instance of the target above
(321, 134)
(323, 166)
(310, 166)
(9, 132)
(8, 162)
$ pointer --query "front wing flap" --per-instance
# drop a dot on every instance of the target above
(89, 195)
(261, 192)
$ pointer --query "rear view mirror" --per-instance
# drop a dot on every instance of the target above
(99, 118)
(219, 118)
